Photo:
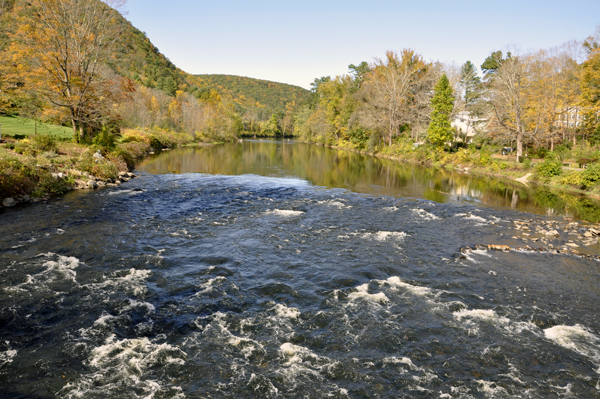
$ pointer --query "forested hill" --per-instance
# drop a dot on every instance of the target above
(271, 94)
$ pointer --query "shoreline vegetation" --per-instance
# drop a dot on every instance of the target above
(33, 168)
(532, 118)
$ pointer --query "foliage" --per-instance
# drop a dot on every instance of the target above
(273, 95)
(551, 166)
(590, 175)
(442, 103)
(573, 178)
(105, 139)
(56, 54)
(101, 169)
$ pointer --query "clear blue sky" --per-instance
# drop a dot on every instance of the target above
(296, 41)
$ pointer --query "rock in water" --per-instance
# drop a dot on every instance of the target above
(92, 184)
(8, 202)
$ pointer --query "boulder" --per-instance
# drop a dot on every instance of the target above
(8, 202)
(552, 233)
(92, 184)
(98, 156)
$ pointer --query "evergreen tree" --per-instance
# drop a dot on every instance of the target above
(442, 103)
(471, 84)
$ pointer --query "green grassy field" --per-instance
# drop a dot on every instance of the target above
(12, 125)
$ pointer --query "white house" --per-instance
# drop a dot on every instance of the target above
(468, 124)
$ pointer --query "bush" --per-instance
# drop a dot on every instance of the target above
(550, 167)
(573, 178)
(105, 139)
(542, 152)
(15, 178)
(102, 169)
(125, 156)
(591, 175)
(527, 163)
(43, 143)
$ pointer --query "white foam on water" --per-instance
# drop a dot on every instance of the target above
(133, 304)
(7, 356)
(480, 252)
(390, 209)
(479, 314)
(397, 283)
(133, 282)
(423, 214)
(362, 293)
(384, 236)
(337, 204)
(209, 286)
(578, 339)
(126, 364)
(284, 213)
(63, 268)
(299, 361)
(284, 311)
(491, 390)
(403, 360)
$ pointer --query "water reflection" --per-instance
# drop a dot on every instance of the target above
(333, 168)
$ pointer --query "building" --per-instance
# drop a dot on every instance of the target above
(468, 125)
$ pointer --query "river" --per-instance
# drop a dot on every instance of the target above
(274, 269)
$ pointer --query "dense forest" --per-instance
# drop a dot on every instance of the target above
(263, 92)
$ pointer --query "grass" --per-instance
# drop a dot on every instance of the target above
(16, 125)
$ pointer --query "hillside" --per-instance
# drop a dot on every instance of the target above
(271, 94)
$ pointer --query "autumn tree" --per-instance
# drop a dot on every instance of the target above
(508, 99)
(60, 49)
(590, 82)
(442, 104)
(393, 92)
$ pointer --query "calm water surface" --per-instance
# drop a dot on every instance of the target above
(281, 270)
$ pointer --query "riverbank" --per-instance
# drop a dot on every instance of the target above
(37, 167)
(483, 162)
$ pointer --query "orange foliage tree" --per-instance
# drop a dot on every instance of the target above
(59, 51)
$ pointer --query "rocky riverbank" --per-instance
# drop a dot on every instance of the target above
(35, 168)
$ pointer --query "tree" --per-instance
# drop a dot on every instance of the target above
(508, 99)
(492, 63)
(359, 72)
(393, 88)
(470, 84)
(442, 103)
(60, 49)
(590, 81)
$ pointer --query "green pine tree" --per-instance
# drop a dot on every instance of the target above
(442, 103)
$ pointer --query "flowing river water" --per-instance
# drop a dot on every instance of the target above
(270, 269)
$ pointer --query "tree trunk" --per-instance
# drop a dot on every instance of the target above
(75, 135)
(519, 145)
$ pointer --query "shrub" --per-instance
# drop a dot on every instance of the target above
(591, 175)
(43, 143)
(105, 139)
(125, 156)
(542, 152)
(573, 178)
(550, 167)
(15, 178)
(100, 169)
(527, 163)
